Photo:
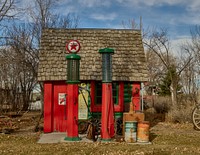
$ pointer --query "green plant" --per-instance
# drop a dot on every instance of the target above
(164, 86)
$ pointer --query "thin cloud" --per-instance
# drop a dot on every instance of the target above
(94, 3)
(98, 16)
(191, 6)
(138, 3)
(177, 44)
(191, 19)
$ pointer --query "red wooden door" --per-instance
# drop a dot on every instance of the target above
(60, 107)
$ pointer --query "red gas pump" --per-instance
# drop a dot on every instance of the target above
(73, 62)
(107, 118)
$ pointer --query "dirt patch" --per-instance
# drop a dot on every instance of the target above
(16, 123)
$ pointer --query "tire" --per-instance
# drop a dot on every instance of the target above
(196, 117)
(82, 127)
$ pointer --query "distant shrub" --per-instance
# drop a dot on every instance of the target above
(180, 113)
(162, 104)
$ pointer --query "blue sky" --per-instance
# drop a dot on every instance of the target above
(178, 16)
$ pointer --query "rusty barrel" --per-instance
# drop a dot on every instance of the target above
(130, 131)
(143, 132)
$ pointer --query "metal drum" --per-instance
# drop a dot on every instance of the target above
(130, 131)
(143, 132)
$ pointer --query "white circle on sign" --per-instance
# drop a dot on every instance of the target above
(73, 46)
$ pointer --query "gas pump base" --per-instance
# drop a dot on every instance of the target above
(106, 140)
(72, 138)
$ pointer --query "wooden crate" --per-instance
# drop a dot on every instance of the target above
(138, 116)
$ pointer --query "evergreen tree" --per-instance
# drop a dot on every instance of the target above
(164, 86)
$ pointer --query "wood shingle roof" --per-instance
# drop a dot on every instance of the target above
(128, 60)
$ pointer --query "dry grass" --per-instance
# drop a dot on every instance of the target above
(166, 139)
(162, 104)
(180, 113)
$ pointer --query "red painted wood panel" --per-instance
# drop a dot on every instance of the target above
(136, 95)
(72, 114)
(55, 115)
(60, 122)
(48, 107)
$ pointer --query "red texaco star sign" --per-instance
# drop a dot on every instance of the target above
(73, 46)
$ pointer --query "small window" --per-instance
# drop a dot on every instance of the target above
(115, 90)
(98, 92)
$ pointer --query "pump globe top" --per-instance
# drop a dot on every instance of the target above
(73, 57)
(106, 50)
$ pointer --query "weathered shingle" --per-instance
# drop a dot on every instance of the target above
(128, 60)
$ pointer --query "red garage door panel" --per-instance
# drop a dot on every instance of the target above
(60, 110)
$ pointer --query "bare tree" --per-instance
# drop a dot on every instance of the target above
(26, 58)
(192, 74)
(159, 43)
(24, 40)
(155, 67)
(194, 47)
(43, 17)
(9, 72)
(7, 8)
(130, 24)
(188, 79)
